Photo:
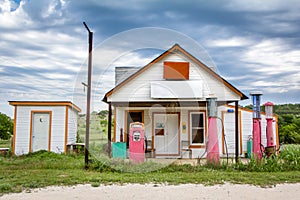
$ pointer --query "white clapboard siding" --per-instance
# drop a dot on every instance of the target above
(72, 125)
(58, 129)
(246, 129)
(139, 88)
(23, 129)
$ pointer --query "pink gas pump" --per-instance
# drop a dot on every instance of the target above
(213, 155)
(137, 142)
(256, 132)
(270, 149)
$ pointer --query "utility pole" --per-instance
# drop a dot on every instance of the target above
(88, 103)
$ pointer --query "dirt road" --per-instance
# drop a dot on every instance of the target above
(153, 191)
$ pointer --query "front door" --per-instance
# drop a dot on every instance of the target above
(166, 134)
(40, 131)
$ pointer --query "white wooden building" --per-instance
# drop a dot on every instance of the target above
(227, 136)
(44, 125)
(169, 95)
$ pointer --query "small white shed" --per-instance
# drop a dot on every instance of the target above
(44, 125)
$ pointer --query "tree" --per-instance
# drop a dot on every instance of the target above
(289, 134)
(289, 129)
(6, 127)
(103, 114)
(287, 118)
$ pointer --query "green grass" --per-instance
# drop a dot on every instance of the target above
(5, 143)
(43, 169)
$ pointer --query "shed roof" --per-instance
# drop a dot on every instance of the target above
(45, 103)
(173, 49)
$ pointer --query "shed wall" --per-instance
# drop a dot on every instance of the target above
(72, 126)
(22, 137)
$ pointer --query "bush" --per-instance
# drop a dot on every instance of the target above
(6, 127)
(289, 134)
(289, 129)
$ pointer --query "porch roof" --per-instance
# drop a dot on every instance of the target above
(167, 104)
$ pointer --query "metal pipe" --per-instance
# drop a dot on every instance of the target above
(88, 103)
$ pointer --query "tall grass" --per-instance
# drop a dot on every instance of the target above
(287, 160)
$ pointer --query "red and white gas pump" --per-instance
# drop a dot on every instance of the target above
(256, 132)
(270, 149)
(213, 154)
(137, 142)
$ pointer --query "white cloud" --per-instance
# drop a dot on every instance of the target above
(15, 19)
(134, 59)
(230, 42)
(272, 56)
(119, 4)
(258, 5)
(49, 49)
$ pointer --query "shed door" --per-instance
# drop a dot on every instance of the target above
(166, 134)
(40, 131)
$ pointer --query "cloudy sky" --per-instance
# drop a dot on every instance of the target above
(255, 45)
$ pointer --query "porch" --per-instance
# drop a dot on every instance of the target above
(172, 129)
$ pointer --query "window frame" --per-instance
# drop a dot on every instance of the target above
(191, 128)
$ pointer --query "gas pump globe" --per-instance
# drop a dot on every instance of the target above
(269, 110)
(256, 132)
(213, 154)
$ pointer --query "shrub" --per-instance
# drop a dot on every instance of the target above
(6, 127)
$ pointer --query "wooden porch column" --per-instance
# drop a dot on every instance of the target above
(109, 130)
(236, 121)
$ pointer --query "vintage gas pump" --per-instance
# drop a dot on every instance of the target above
(137, 142)
(256, 133)
(270, 149)
(213, 155)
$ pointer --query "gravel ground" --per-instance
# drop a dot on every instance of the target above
(153, 191)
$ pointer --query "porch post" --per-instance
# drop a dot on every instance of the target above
(109, 130)
(236, 131)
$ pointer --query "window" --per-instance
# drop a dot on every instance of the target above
(197, 127)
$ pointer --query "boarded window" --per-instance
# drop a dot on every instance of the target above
(176, 70)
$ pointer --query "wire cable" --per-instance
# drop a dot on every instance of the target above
(223, 131)
(224, 135)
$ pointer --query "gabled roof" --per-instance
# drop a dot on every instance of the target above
(173, 49)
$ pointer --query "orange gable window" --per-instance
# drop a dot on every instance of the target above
(176, 70)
